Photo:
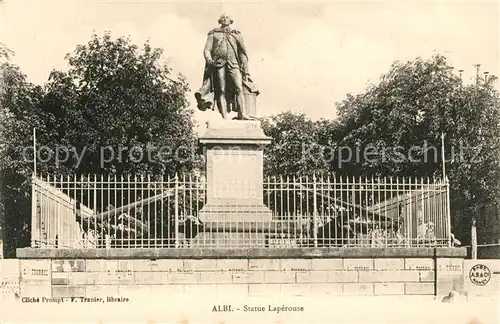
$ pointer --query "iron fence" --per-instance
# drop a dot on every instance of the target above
(164, 212)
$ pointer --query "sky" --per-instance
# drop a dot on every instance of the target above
(303, 57)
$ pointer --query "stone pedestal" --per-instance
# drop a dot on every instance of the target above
(233, 152)
(234, 168)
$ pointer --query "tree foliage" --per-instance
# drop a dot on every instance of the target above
(117, 106)
(5, 53)
(402, 119)
(298, 145)
(19, 102)
(394, 129)
(116, 95)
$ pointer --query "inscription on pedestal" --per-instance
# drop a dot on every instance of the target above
(234, 170)
(234, 175)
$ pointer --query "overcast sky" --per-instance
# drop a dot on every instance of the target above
(303, 56)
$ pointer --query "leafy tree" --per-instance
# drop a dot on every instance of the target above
(115, 97)
(394, 129)
(400, 120)
(5, 53)
(19, 100)
(299, 145)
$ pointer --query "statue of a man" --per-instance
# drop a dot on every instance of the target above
(226, 71)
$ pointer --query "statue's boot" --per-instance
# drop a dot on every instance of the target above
(202, 104)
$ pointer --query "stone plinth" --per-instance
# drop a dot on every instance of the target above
(234, 168)
(229, 239)
(243, 233)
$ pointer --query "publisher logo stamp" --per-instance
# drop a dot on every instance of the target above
(480, 274)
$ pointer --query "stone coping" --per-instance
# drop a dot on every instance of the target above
(239, 253)
(248, 140)
(258, 226)
(234, 132)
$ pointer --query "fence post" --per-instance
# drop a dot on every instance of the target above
(34, 229)
(474, 237)
(448, 214)
(411, 216)
(176, 210)
(315, 213)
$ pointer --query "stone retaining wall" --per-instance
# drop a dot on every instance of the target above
(420, 274)
(94, 278)
(482, 277)
(9, 277)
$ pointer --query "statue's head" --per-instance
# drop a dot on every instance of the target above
(225, 20)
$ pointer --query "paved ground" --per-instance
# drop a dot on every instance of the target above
(198, 309)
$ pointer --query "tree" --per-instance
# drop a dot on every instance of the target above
(115, 97)
(19, 100)
(298, 145)
(5, 53)
(400, 121)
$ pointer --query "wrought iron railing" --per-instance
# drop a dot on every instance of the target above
(163, 212)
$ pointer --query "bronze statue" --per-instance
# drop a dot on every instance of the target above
(226, 73)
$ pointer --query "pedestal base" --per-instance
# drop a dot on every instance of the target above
(230, 240)
(235, 213)
(248, 234)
